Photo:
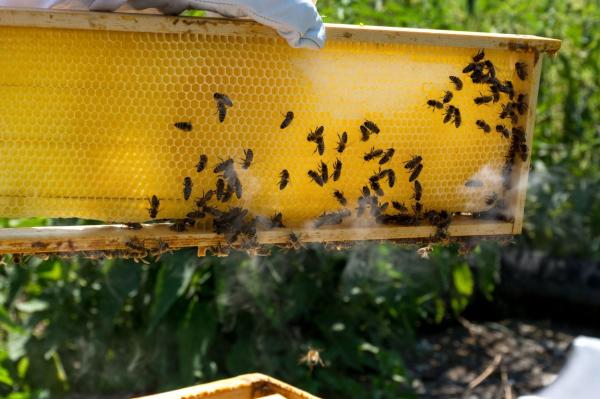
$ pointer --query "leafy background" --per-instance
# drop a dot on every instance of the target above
(115, 328)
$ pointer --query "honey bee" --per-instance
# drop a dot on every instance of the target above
(447, 97)
(222, 111)
(324, 172)
(375, 186)
(197, 214)
(315, 177)
(238, 188)
(415, 173)
(503, 130)
(479, 56)
(373, 154)
(223, 166)
(212, 211)
(458, 84)
(284, 179)
(320, 145)
(179, 226)
(391, 175)
(332, 218)
(490, 68)
(342, 141)
(471, 67)
(474, 183)
(491, 199)
(413, 162)
(399, 206)
(507, 88)
(202, 201)
(417, 209)
(312, 136)
(418, 191)
(248, 158)
(289, 116)
(449, 113)
(389, 153)
(223, 98)
(365, 191)
(132, 226)
(227, 194)
(201, 165)
(220, 189)
(364, 133)
(185, 126)
(277, 220)
(187, 188)
(457, 118)
(154, 206)
(521, 69)
(337, 169)
(340, 197)
(135, 244)
(495, 93)
(371, 126)
(483, 99)
(521, 104)
(295, 243)
(435, 104)
(481, 124)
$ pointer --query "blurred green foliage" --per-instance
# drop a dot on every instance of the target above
(119, 328)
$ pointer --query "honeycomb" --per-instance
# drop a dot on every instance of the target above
(87, 121)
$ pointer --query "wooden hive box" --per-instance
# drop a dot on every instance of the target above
(89, 102)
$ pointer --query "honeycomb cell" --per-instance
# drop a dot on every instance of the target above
(87, 121)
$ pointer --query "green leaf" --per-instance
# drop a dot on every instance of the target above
(6, 322)
(22, 367)
(463, 279)
(50, 270)
(440, 310)
(195, 334)
(172, 282)
(5, 377)
(32, 306)
(16, 345)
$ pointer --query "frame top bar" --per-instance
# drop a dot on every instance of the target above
(127, 22)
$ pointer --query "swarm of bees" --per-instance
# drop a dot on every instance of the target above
(239, 227)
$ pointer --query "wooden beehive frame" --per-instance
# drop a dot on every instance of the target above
(113, 237)
(247, 386)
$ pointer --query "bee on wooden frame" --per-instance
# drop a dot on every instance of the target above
(339, 196)
(342, 142)
(187, 188)
(387, 156)
(154, 206)
(458, 84)
(284, 179)
(413, 162)
(447, 97)
(248, 158)
(371, 126)
(185, 126)
(337, 169)
(435, 104)
(481, 124)
(315, 177)
(201, 165)
(372, 154)
(289, 116)
(521, 69)
(415, 173)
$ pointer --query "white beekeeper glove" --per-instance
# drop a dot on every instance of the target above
(297, 21)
